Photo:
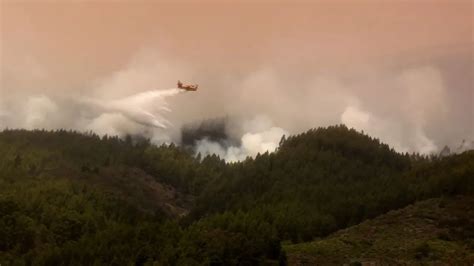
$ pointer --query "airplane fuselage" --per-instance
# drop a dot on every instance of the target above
(187, 87)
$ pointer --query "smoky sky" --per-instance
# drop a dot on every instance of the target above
(400, 71)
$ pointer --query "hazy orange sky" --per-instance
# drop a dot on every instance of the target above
(302, 64)
(82, 39)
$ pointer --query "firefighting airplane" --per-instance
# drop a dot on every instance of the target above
(187, 87)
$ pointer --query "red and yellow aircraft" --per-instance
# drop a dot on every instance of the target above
(188, 87)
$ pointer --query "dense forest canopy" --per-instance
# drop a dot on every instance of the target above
(72, 198)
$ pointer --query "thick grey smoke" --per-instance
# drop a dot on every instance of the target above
(418, 107)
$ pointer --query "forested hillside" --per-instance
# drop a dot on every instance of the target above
(436, 231)
(70, 198)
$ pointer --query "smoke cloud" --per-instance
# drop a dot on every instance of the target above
(401, 73)
(260, 137)
(38, 111)
(409, 107)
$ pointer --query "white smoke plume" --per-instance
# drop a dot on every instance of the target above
(260, 137)
(38, 110)
(119, 104)
(422, 100)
